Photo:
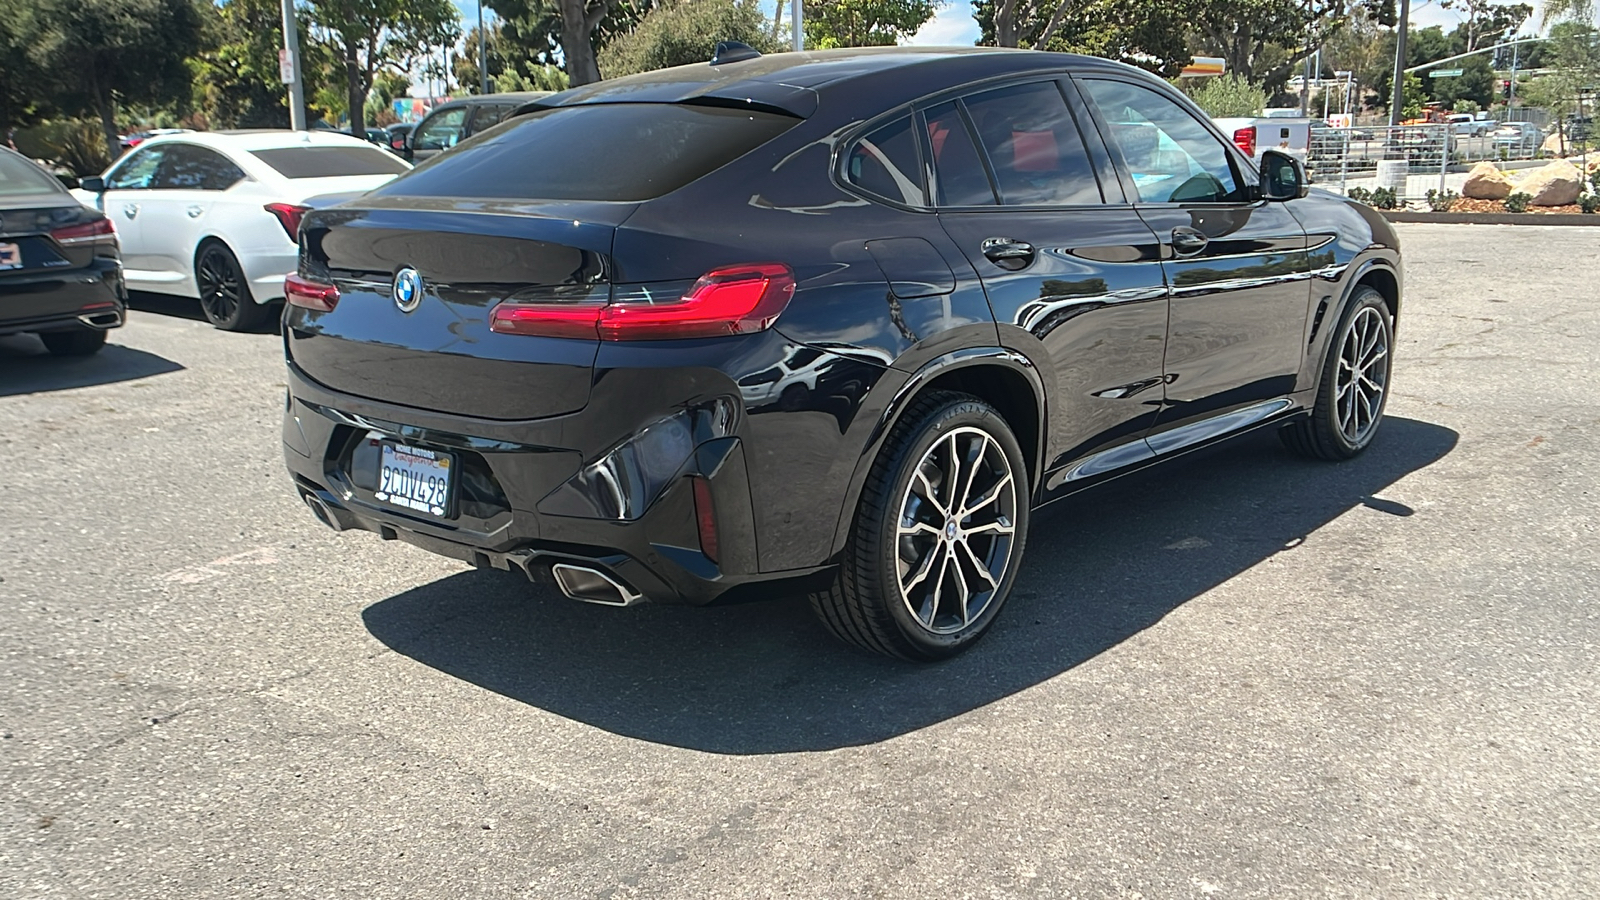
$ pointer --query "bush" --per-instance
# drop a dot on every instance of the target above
(1589, 203)
(1227, 96)
(1360, 195)
(686, 32)
(1518, 202)
(76, 144)
(1384, 198)
(1442, 202)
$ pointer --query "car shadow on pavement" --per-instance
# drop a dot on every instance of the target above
(765, 678)
(189, 308)
(27, 368)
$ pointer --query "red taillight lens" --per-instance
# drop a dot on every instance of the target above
(84, 231)
(730, 300)
(289, 216)
(310, 295)
(705, 516)
(1245, 139)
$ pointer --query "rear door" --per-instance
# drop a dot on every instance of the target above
(1237, 266)
(1072, 272)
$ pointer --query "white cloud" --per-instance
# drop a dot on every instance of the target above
(952, 26)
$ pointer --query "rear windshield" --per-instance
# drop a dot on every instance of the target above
(613, 151)
(330, 162)
(19, 176)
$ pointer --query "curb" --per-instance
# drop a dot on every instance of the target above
(1403, 215)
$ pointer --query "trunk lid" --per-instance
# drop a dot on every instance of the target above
(27, 227)
(470, 255)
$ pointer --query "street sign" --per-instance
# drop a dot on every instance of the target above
(285, 67)
(1443, 73)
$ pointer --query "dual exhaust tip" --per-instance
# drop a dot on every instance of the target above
(103, 320)
(579, 582)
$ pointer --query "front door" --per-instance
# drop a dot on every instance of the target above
(128, 184)
(1072, 273)
(1237, 266)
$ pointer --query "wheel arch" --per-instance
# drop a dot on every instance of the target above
(1003, 378)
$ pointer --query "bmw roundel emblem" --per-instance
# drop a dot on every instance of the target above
(407, 289)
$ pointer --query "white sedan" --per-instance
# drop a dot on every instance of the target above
(214, 215)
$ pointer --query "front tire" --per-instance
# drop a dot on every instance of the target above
(80, 342)
(225, 295)
(937, 538)
(1354, 387)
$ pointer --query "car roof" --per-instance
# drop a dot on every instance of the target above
(512, 98)
(259, 139)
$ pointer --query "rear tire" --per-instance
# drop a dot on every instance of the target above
(225, 296)
(79, 342)
(937, 537)
(1354, 386)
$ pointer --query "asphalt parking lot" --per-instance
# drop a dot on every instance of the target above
(1244, 675)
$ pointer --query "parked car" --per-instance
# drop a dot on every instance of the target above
(454, 121)
(1467, 125)
(1001, 277)
(212, 215)
(1254, 136)
(1518, 138)
(60, 272)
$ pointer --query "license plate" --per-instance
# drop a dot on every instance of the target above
(414, 478)
(10, 256)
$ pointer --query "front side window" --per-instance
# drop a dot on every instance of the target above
(958, 174)
(187, 167)
(1034, 146)
(442, 131)
(884, 163)
(1172, 157)
(137, 172)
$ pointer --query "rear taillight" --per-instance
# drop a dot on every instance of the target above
(289, 216)
(307, 294)
(730, 300)
(95, 230)
(1245, 139)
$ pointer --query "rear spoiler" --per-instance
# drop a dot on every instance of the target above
(756, 96)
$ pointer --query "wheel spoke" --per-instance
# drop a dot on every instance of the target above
(963, 592)
(974, 462)
(923, 569)
(921, 528)
(943, 552)
(928, 493)
(986, 498)
(979, 567)
(1001, 526)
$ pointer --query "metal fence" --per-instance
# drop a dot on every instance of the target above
(1413, 159)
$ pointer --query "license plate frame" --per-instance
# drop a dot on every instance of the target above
(404, 479)
(10, 255)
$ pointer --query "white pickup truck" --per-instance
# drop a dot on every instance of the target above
(1256, 134)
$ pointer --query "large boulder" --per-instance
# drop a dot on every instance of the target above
(1486, 182)
(1557, 184)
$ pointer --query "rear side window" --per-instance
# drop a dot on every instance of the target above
(1034, 146)
(187, 167)
(884, 163)
(958, 173)
(137, 171)
(612, 151)
(19, 176)
(330, 162)
(486, 117)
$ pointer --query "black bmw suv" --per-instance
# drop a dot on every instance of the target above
(831, 322)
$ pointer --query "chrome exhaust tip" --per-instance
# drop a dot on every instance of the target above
(321, 511)
(593, 586)
(103, 320)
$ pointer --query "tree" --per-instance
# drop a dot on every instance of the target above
(1025, 23)
(1488, 21)
(367, 36)
(864, 23)
(24, 88)
(1226, 96)
(686, 32)
(236, 82)
(1146, 33)
(579, 19)
(106, 53)
(1247, 34)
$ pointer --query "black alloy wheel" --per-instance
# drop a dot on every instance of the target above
(938, 535)
(224, 292)
(1354, 387)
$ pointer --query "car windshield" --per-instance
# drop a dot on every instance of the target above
(613, 151)
(330, 162)
(19, 176)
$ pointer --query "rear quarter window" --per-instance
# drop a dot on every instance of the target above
(330, 162)
(610, 152)
(19, 176)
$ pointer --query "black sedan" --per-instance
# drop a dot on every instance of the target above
(60, 272)
(832, 322)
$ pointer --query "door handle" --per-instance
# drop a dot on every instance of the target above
(130, 209)
(1188, 241)
(195, 211)
(1008, 253)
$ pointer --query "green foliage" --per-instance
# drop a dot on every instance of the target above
(686, 32)
(1518, 202)
(864, 23)
(1442, 201)
(1589, 203)
(75, 144)
(1151, 34)
(366, 37)
(1360, 195)
(1412, 97)
(1264, 41)
(1384, 198)
(1226, 96)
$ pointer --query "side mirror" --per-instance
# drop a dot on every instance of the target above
(1282, 176)
(93, 184)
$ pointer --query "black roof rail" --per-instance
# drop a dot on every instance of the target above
(732, 51)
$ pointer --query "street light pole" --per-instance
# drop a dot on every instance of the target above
(797, 20)
(289, 66)
(483, 51)
(1400, 63)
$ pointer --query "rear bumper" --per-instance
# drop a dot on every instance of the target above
(524, 500)
(265, 270)
(92, 297)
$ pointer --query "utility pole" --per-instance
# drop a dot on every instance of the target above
(483, 51)
(1398, 100)
(796, 17)
(289, 68)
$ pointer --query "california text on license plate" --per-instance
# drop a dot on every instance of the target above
(414, 478)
